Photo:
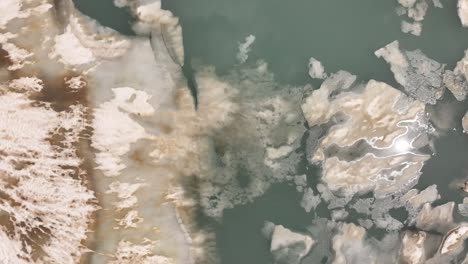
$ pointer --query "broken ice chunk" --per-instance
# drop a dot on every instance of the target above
(339, 214)
(414, 28)
(415, 200)
(329, 197)
(407, 3)
(415, 10)
(366, 223)
(457, 84)
(301, 182)
(363, 205)
(418, 11)
(392, 55)
(267, 229)
(453, 241)
(465, 123)
(321, 229)
(456, 80)
(463, 12)
(350, 246)
(387, 222)
(289, 247)
(309, 200)
(316, 70)
(420, 76)
(412, 248)
(437, 4)
(439, 218)
(463, 207)
(400, 10)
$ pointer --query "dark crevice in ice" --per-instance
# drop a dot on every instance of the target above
(189, 74)
(349, 153)
(186, 68)
(316, 133)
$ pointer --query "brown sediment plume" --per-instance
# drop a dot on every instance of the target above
(31, 208)
(4, 59)
(189, 213)
(57, 94)
(60, 95)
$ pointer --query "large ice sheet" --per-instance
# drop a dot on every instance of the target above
(368, 145)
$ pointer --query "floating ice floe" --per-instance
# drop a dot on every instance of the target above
(244, 49)
(349, 245)
(420, 76)
(465, 123)
(463, 207)
(309, 200)
(463, 12)
(415, 10)
(339, 214)
(358, 152)
(413, 201)
(456, 80)
(289, 247)
(454, 240)
(316, 70)
(439, 218)
(414, 28)
(301, 182)
(412, 248)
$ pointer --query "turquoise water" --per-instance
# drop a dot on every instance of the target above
(107, 14)
(239, 237)
(343, 35)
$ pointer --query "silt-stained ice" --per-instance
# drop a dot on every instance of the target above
(420, 76)
(370, 115)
